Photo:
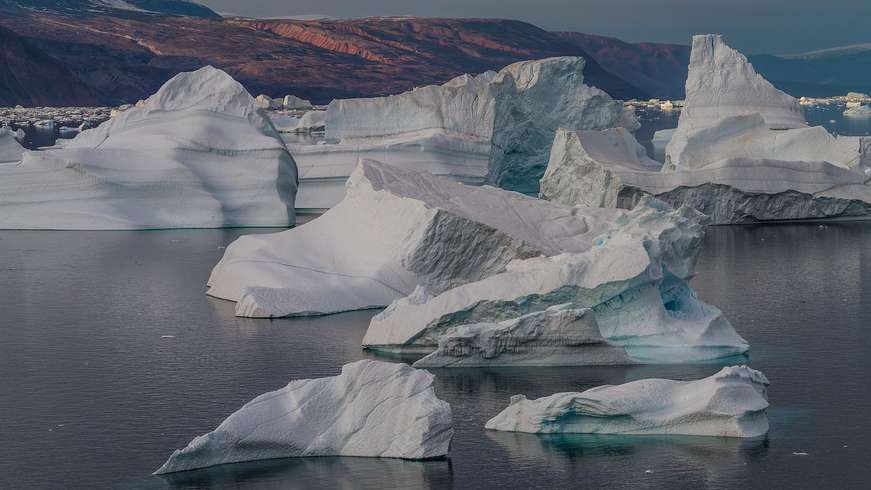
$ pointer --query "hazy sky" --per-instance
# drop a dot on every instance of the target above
(755, 26)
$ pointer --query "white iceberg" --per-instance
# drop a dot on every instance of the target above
(731, 403)
(396, 229)
(309, 122)
(582, 171)
(197, 154)
(494, 127)
(735, 162)
(633, 279)
(371, 409)
(10, 149)
(862, 110)
(722, 83)
(296, 103)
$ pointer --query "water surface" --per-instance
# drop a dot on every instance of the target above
(111, 357)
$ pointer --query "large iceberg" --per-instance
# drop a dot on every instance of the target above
(396, 229)
(731, 403)
(633, 279)
(495, 127)
(584, 171)
(10, 149)
(736, 162)
(196, 154)
(371, 409)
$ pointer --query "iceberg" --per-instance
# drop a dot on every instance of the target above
(306, 123)
(197, 154)
(858, 111)
(722, 83)
(633, 280)
(296, 103)
(396, 229)
(582, 171)
(10, 149)
(736, 163)
(731, 403)
(372, 409)
(496, 127)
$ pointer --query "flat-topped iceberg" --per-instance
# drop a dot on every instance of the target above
(196, 154)
(10, 149)
(736, 162)
(731, 403)
(496, 127)
(396, 229)
(371, 409)
(633, 280)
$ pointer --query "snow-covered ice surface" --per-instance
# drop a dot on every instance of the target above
(197, 154)
(495, 127)
(724, 158)
(396, 229)
(731, 403)
(10, 149)
(371, 409)
(633, 280)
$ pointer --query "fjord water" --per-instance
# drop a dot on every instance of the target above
(111, 357)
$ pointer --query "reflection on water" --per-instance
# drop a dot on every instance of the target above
(308, 473)
(92, 395)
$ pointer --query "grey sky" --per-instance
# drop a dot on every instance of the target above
(755, 26)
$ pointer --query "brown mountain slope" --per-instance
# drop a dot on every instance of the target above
(127, 56)
(658, 69)
(30, 77)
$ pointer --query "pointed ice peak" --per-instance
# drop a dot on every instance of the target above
(723, 83)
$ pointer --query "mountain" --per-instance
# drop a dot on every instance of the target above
(30, 77)
(826, 72)
(112, 7)
(127, 53)
(656, 68)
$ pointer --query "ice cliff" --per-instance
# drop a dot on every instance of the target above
(724, 159)
(495, 127)
(372, 409)
(197, 154)
(731, 403)
(396, 229)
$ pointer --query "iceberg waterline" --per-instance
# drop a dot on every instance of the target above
(196, 154)
(371, 409)
(730, 403)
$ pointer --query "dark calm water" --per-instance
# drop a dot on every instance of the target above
(92, 395)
